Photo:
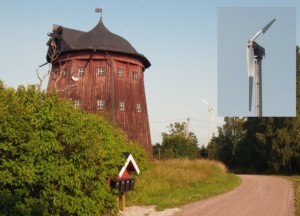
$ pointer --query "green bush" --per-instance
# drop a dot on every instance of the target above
(56, 159)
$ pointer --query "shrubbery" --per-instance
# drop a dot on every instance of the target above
(178, 142)
(56, 159)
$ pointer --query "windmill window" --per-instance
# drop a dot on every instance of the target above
(122, 105)
(80, 71)
(77, 103)
(100, 71)
(120, 72)
(100, 104)
(64, 73)
(135, 75)
(138, 107)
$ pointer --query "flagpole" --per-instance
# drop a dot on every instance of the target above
(99, 10)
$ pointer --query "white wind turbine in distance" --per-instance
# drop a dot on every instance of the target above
(256, 52)
(210, 118)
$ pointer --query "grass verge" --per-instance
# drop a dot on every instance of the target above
(296, 183)
(173, 183)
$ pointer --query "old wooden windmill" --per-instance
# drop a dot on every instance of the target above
(102, 73)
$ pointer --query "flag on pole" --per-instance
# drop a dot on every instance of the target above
(98, 10)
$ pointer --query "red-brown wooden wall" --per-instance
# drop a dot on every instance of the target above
(110, 87)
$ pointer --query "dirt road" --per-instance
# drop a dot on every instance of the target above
(257, 196)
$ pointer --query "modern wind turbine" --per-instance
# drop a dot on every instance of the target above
(256, 52)
(210, 118)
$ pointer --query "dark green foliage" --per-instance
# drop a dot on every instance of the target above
(260, 144)
(271, 144)
(203, 152)
(54, 158)
(225, 146)
(156, 150)
(178, 143)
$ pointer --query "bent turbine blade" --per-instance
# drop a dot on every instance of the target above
(256, 35)
(264, 29)
(250, 92)
(205, 101)
(268, 26)
(250, 61)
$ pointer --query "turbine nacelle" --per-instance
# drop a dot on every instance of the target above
(249, 44)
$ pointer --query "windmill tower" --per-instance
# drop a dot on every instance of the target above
(102, 73)
(256, 52)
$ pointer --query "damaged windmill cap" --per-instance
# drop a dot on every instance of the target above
(97, 39)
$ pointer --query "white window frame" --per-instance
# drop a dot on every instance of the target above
(120, 72)
(138, 107)
(77, 103)
(80, 71)
(100, 104)
(122, 105)
(135, 75)
(101, 71)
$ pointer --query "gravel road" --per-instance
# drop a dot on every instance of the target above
(256, 196)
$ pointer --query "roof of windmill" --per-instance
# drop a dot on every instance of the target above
(99, 38)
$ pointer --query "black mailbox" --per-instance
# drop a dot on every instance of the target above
(123, 182)
(127, 185)
(122, 185)
(115, 184)
(132, 184)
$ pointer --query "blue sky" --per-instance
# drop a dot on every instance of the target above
(178, 37)
(235, 27)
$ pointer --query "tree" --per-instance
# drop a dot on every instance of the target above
(54, 158)
(213, 148)
(156, 149)
(254, 150)
(224, 146)
(179, 143)
(203, 152)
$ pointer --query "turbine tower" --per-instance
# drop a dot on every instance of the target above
(256, 52)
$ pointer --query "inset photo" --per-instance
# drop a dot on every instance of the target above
(257, 62)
